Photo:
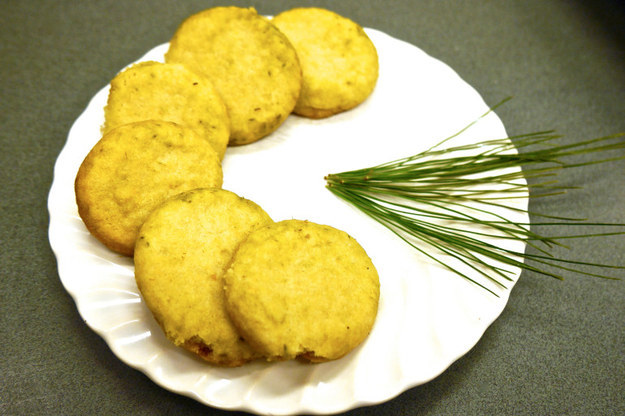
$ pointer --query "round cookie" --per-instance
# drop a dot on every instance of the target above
(157, 91)
(251, 63)
(299, 289)
(132, 169)
(339, 62)
(181, 254)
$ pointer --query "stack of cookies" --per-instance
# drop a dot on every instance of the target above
(222, 278)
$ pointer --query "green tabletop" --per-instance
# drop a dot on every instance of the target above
(559, 346)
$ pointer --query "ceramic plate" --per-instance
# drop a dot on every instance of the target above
(428, 317)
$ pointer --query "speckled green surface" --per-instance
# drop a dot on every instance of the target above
(558, 348)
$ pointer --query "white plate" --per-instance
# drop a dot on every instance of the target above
(428, 317)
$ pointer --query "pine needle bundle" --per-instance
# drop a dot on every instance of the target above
(448, 202)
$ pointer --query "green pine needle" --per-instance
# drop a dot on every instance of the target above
(444, 202)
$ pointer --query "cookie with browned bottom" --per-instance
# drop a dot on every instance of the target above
(171, 92)
(300, 289)
(251, 63)
(135, 167)
(182, 252)
(339, 62)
